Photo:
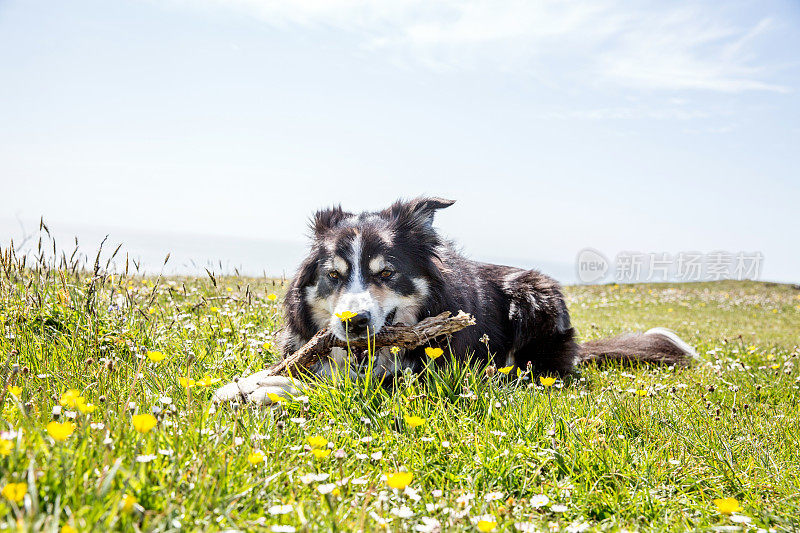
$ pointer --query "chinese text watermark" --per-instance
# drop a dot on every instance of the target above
(631, 267)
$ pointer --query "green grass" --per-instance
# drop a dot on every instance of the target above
(613, 458)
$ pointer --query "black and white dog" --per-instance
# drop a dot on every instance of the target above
(392, 266)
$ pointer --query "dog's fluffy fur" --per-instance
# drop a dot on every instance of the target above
(392, 266)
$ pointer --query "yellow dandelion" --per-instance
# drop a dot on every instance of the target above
(272, 297)
(277, 398)
(186, 383)
(70, 398)
(317, 441)
(15, 491)
(505, 369)
(155, 356)
(642, 392)
(128, 502)
(5, 447)
(255, 458)
(433, 353)
(321, 453)
(143, 423)
(344, 316)
(414, 421)
(727, 505)
(66, 528)
(207, 381)
(394, 350)
(399, 480)
(486, 524)
(16, 391)
(547, 381)
(60, 431)
(86, 408)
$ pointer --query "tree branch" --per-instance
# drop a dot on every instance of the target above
(407, 337)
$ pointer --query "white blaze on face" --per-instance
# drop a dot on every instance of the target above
(356, 297)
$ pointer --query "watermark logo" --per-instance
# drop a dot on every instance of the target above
(636, 267)
(592, 265)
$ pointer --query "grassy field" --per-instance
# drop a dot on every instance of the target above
(612, 449)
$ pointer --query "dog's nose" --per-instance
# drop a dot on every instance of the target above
(360, 322)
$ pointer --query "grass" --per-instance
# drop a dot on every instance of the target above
(614, 448)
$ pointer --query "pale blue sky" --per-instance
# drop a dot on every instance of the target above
(640, 126)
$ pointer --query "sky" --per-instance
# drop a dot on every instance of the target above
(217, 127)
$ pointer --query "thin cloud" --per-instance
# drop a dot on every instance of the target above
(662, 47)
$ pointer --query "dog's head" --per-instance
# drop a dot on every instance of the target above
(376, 268)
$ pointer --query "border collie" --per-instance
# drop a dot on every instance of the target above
(392, 267)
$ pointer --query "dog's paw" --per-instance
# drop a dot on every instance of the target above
(257, 388)
(227, 393)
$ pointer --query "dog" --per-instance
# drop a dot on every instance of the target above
(393, 267)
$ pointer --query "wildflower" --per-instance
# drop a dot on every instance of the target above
(327, 488)
(433, 353)
(128, 502)
(255, 458)
(321, 454)
(394, 350)
(280, 509)
(15, 491)
(486, 524)
(505, 369)
(402, 512)
(272, 297)
(277, 398)
(143, 423)
(155, 356)
(146, 458)
(60, 431)
(186, 383)
(642, 392)
(16, 391)
(558, 508)
(727, 505)
(5, 447)
(414, 421)
(66, 528)
(207, 380)
(345, 316)
(85, 408)
(317, 441)
(70, 398)
(492, 496)
(547, 381)
(741, 519)
(311, 478)
(540, 500)
(399, 480)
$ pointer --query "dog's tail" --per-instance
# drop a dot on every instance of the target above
(658, 345)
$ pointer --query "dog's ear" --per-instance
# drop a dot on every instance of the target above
(306, 272)
(422, 208)
(327, 219)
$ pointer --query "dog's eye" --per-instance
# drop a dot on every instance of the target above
(333, 274)
(386, 273)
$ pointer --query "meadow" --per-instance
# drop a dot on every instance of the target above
(107, 420)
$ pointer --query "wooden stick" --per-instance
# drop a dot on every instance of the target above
(421, 333)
